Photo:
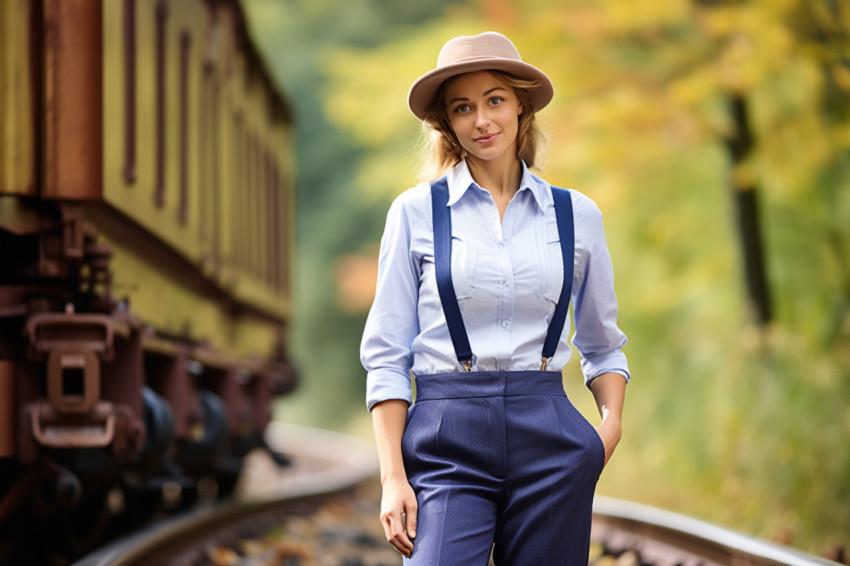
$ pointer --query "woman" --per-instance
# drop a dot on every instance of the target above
(475, 274)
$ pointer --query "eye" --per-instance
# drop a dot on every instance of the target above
(461, 108)
(496, 100)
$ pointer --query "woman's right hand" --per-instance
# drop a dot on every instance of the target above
(398, 514)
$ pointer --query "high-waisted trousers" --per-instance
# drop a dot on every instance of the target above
(501, 462)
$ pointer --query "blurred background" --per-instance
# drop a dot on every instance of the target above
(715, 137)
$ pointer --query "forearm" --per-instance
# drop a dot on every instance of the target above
(388, 420)
(609, 391)
(398, 502)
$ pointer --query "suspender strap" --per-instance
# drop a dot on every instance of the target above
(566, 233)
(443, 268)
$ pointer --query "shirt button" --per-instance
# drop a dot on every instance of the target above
(506, 323)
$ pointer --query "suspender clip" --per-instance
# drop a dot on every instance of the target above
(467, 364)
(545, 363)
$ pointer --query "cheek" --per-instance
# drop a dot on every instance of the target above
(461, 129)
(457, 123)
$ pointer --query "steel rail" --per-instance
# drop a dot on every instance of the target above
(348, 463)
(660, 537)
(663, 537)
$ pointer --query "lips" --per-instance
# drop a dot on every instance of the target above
(487, 138)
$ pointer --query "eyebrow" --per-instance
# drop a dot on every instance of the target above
(486, 92)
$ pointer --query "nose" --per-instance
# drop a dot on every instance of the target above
(482, 118)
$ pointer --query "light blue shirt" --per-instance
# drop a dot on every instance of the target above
(507, 277)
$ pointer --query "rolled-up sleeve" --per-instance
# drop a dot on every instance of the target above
(392, 324)
(597, 336)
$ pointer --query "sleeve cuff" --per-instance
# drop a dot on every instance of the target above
(613, 362)
(384, 384)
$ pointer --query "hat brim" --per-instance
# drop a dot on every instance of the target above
(423, 90)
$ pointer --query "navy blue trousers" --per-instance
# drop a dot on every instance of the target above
(500, 458)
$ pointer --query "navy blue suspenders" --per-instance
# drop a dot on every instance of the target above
(443, 270)
(442, 263)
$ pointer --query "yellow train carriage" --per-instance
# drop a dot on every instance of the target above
(210, 173)
(146, 228)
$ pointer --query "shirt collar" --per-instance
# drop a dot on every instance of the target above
(460, 181)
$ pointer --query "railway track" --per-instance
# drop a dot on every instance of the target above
(663, 538)
(325, 466)
(333, 471)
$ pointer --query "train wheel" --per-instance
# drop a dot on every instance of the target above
(83, 527)
(198, 458)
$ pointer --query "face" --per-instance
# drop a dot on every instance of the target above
(483, 111)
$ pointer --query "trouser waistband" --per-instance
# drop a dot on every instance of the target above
(462, 385)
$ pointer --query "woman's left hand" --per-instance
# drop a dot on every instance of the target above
(610, 430)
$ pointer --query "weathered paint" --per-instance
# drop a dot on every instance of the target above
(72, 99)
(8, 415)
(17, 128)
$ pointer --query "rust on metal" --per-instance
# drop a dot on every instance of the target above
(7, 409)
(56, 430)
(282, 377)
(276, 230)
(129, 169)
(271, 239)
(73, 380)
(260, 228)
(50, 331)
(236, 171)
(168, 377)
(107, 424)
(72, 99)
(260, 391)
(72, 230)
(286, 234)
(17, 103)
(123, 375)
(226, 384)
(161, 17)
(185, 51)
(82, 409)
(215, 234)
(204, 158)
(255, 244)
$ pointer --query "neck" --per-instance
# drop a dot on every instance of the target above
(500, 177)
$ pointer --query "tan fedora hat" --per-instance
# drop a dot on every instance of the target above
(466, 54)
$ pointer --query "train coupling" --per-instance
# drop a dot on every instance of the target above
(74, 414)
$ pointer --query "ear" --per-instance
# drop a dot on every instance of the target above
(520, 108)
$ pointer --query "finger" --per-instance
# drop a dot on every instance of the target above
(411, 520)
(401, 540)
(397, 536)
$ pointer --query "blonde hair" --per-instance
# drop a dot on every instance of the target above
(441, 149)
